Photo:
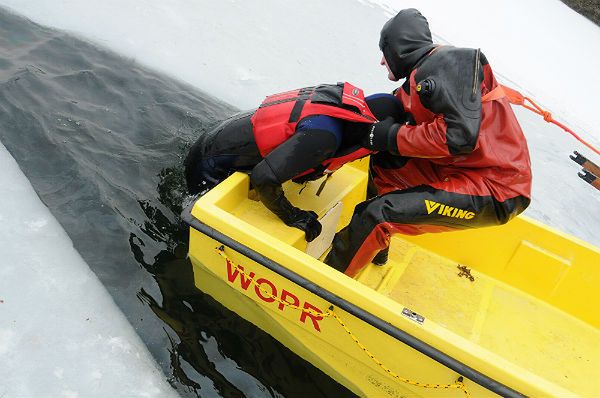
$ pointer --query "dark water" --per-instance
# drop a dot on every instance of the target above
(102, 141)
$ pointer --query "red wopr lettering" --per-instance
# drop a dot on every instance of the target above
(233, 272)
(270, 297)
(284, 295)
(314, 318)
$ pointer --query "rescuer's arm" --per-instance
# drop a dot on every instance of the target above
(448, 134)
(453, 98)
(303, 151)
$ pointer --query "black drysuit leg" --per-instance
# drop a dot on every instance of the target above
(413, 211)
(221, 151)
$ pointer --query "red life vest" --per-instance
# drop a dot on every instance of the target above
(276, 119)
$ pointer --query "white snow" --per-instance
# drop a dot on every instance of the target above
(242, 50)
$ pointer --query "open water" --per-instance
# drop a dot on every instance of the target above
(102, 140)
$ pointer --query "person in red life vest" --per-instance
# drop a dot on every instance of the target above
(455, 160)
(298, 135)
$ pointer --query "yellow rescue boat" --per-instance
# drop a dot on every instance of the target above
(510, 311)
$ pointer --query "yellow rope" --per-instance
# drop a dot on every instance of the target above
(458, 384)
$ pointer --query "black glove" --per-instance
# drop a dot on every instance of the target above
(382, 136)
(306, 221)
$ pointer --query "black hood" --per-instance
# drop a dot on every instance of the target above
(405, 39)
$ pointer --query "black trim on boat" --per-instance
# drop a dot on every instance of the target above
(350, 308)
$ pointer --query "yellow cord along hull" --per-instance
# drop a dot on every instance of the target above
(511, 309)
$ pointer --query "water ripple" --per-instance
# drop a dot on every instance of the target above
(102, 141)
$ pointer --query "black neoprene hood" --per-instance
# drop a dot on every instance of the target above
(405, 39)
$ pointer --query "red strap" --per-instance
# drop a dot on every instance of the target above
(516, 98)
(494, 94)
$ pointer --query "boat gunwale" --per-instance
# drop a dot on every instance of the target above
(374, 321)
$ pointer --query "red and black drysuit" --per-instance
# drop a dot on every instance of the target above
(300, 135)
(454, 162)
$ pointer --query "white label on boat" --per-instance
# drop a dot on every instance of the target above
(413, 315)
(329, 221)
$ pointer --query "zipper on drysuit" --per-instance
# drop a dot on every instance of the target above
(475, 74)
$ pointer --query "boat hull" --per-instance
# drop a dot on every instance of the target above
(320, 340)
(508, 310)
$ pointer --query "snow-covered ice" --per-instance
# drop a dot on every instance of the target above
(61, 334)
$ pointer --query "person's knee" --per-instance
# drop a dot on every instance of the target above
(263, 175)
(372, 212)
(511, 208)
(200, 172)
(383, 105)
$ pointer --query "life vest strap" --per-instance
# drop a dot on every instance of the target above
(303, 95)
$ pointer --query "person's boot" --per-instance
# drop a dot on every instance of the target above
(381, 258)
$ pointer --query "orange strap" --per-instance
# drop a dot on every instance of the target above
(516, 98)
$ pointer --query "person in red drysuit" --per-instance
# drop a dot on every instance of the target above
(456, 160)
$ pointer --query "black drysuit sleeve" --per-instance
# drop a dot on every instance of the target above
(450, 82)
(305, 150)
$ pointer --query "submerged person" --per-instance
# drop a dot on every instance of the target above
(298, 135)
(458, 158)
